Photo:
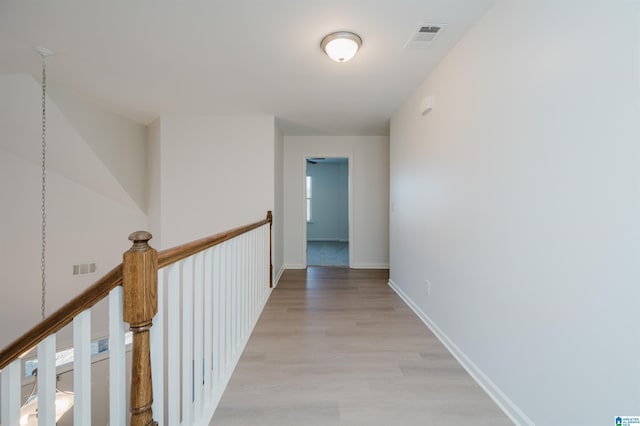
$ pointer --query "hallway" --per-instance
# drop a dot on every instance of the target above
(336, 346)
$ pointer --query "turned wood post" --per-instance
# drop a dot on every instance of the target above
(140, 299)
(270, 219)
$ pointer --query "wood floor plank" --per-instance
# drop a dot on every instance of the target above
(336, 346)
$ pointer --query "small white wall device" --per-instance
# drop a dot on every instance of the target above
(427, 104)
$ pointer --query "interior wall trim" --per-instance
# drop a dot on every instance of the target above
(276, 279)
(370, 266)
(512, 411)
(294, 266)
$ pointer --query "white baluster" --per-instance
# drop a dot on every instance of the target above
(218, 318)
(198, 334)
(47, 381)
(258, 258)
(261, 265)
(267, 268)
(237, 283)
(173, 343)
(228, 298)
(208, 326)
(156, 336)
(82, 368)
(247, 286)
(250, 264)
(11, 378)
(262, 261)
(264, 269)
(249, 282)
(242, 288)
(263, 251)
(233, 256)
(248, 274)
(254, 272)
(187, 341)
(117, 366)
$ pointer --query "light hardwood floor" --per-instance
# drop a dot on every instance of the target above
(338, 347)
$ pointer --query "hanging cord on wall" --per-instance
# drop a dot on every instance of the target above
(44, 53)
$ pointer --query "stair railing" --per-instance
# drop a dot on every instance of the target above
(210, 294)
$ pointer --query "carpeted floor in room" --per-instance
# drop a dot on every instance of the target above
(327, 253)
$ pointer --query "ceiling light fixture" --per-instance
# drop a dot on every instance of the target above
(341, 46)
(29, 411)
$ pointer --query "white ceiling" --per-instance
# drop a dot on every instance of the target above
(146, 58)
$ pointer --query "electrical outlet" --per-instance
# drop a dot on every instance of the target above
(427, 287)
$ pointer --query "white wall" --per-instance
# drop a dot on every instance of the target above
(216, 173)
(118, 142)
(517, 197)
(369, 163)
(329, 201)
(154, 182)
(278, 210)
(90, 213)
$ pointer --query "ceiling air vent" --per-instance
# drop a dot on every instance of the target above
(424, 35)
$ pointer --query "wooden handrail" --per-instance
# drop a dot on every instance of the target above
(173, 255)
(62, 316)
(103, 286)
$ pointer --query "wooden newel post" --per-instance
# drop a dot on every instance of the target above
(140, 299)
(270, 219)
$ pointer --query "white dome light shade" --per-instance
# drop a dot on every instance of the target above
(341, 46)
(29, 411)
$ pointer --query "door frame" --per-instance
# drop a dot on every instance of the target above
(350, 167)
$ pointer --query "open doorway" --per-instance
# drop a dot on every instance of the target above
(327, 211)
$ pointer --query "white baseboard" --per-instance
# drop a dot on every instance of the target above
(294, 266)
(369, 266)
(276, 279)
(355, 266)
(506, 405)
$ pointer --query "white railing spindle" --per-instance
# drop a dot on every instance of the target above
(47, 381)
(117, 365)
(82, 368)
(218, 276)
(156, 336)
(256, 274)
(187, 341)
(246, 288)
(227, 300)
(198, 334)
(208, 325)
(11, 379)
(233, 321)
(173, 344)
